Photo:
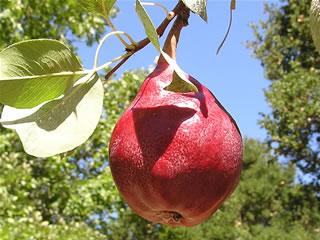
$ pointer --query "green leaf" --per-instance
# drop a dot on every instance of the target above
(102, 7)
(180, 83)
(35, 71)
(60, 125)
(198, 6)
(148, 25)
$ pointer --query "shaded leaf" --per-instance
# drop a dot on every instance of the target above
(35, 71)
(179, 83)
(59, 125)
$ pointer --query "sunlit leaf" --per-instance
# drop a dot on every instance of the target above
(198, 6)
(59, 125)
(148, 25)
(35, 71)
(102, 7)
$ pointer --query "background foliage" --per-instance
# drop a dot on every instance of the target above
(63, 20)
(72, 196)
(286, 50)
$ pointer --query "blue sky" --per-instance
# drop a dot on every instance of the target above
(234, 76)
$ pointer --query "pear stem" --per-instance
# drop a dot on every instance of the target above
(171, 43)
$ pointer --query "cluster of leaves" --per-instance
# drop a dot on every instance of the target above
(43, 231)
(294, 126)
(287, 52)
(283, 41)
(63, 195)
(50, 100)
(47, 94)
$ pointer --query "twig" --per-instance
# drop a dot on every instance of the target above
(114, 30)
(141, 44)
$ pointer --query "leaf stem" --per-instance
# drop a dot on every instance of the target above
(117, 33)
(157, 5)
(109, 22)
(232, 8)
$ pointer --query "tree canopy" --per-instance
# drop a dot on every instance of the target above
(286, 50)
(74, 197)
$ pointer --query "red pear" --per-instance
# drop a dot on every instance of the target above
(175, 157)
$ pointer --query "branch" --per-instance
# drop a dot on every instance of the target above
(143, 43)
